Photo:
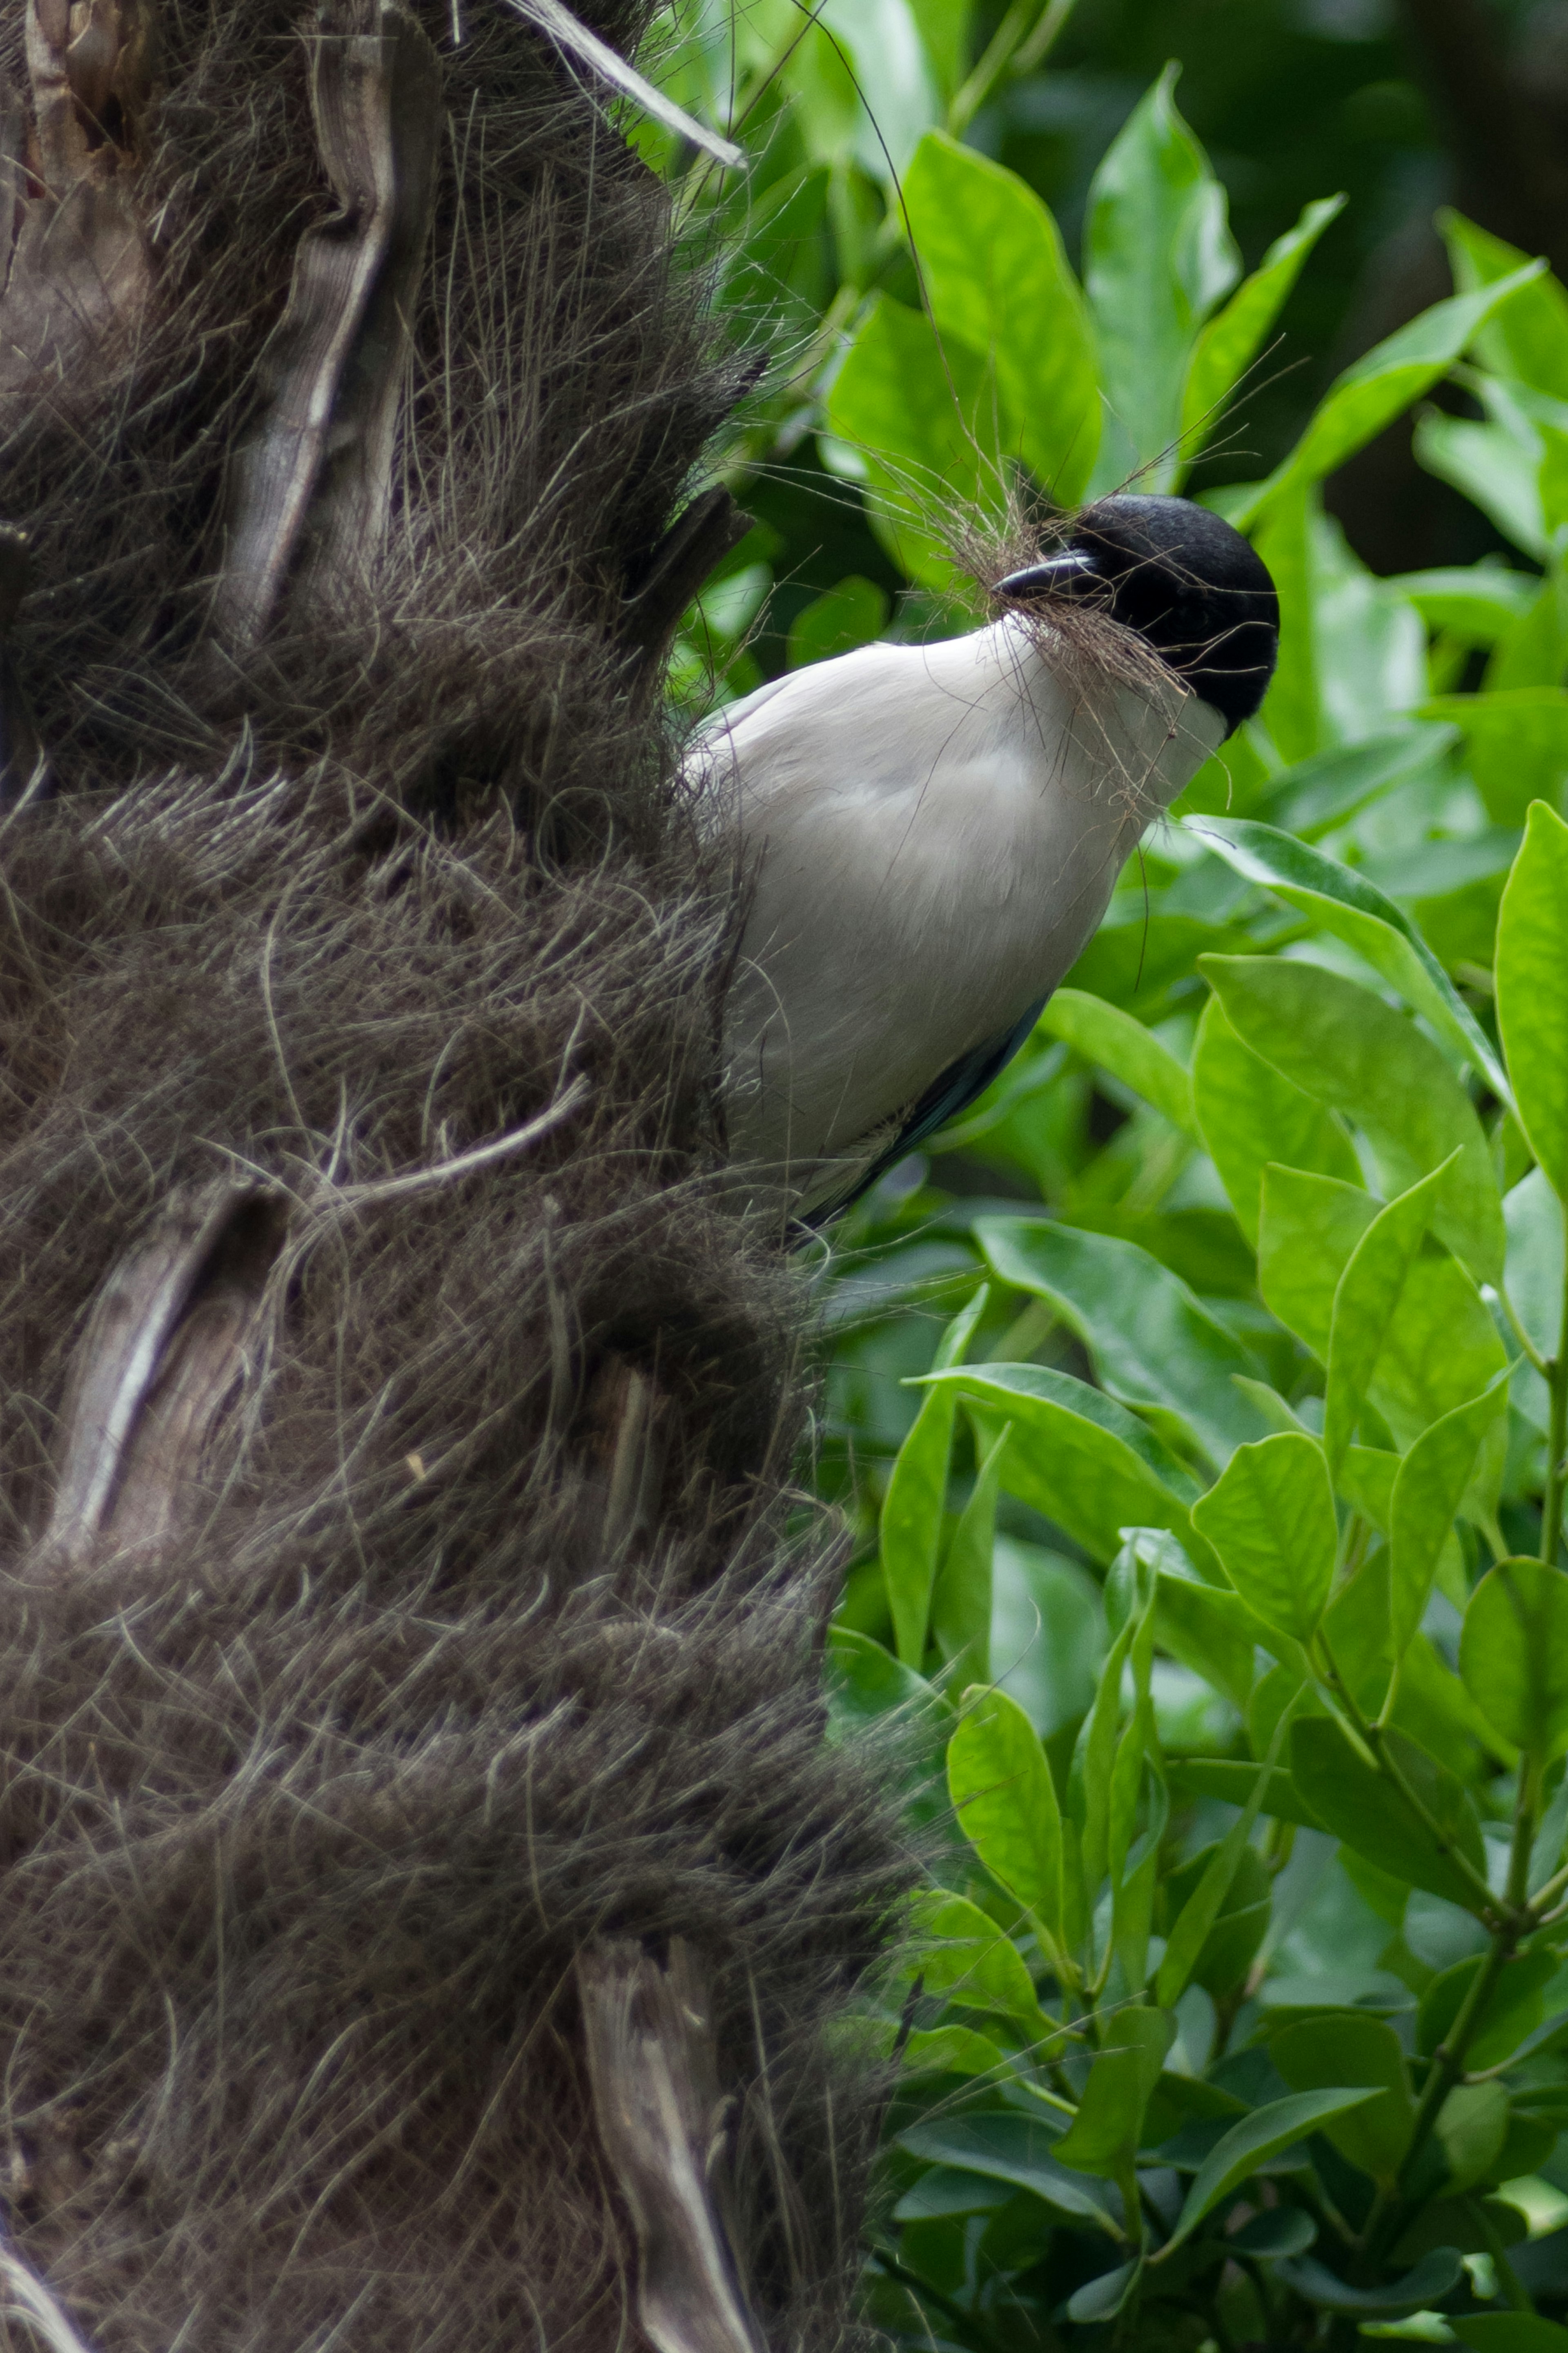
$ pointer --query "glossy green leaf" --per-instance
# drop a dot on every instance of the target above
(1513, 1654)
(1102, 1033)
(1106, 2130)
(1232, 1782)
(1366, 1301)
(1381, 385)
(1532, 989)
(1250, 2144)
(1314, 796)
(912, 1522)
(963, 1954)
(1528, 339)
(1346, 2046)
(1080, 1458)
(1343, 1045)
(1192, 1926)
(997, 279)
(1270, 1518)
(1478, 603)
(1103, 2298)
(962, 1601)
(1518, 742)
(1158, 256)
(1233, 339)
(1309, 1227)
(1005, 1801)
(1432, 1483)
(1510, 2016)
(852, 613)
(1490, 468)
(1251, 1115)
(1154, 1344)
(1344, 903)
(945, 2190)
(1366, 1810)
(910, 1528)
(1208, 1629)
(1013, 2148)
(1471, 2128)
(1432, 2279)
(923, 421)
(1510, 2332)
(1534, 1275)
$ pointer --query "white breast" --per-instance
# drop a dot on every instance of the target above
(933, 832)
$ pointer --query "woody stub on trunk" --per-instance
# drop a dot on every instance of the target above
(427, 1893)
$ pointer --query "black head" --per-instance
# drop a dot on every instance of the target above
(1185, 581)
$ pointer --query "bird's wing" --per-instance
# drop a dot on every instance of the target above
(962, 1083)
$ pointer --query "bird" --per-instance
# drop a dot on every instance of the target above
(930, 833)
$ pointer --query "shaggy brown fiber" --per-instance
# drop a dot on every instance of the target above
(311, 1798)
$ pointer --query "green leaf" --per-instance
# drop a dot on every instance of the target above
(1005, 1801)
(1532, 989)
(1513, 1654)
(912, 1522)
(1232, 1782)
(925, 422)
(962, 1602)
(944, 2190)
(1342, 901)
(1271, 1520)
(1355, 1054)
(1012, 2149)
(1472, 2125)
(1102, 1033)
(1249, 1115)
(1154, 1344)
(1309, 1228)
(1317, 795)
(1158, 258)
(1420, 2290)
(1366, 1301)
(1102, 2298)
(1517, 743)
(1231, 341)
(910, 1531)
(1104, 2135)
(851, 613)
(1191, 1930)
(1510, 2332)
(1534, 1275)
(964, 1954)
(1366, 1810)
(1478, 603)
(1381, 385)
(1220, 1961)
(1080, 1458)
(997, 279)
(1491, 469)
(1250, 2144)
(1208, 1629)
(1431, 1483)
(1346, 2046)
(1528, 339)
(1510, 2017)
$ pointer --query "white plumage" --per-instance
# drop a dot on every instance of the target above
(934, 832)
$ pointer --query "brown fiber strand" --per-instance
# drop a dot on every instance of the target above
(306, 1813)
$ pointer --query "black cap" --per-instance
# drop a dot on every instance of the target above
(1192, 587)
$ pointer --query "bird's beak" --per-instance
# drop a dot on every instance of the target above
(1053, 573)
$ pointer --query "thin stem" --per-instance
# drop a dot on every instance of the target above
(1557, 1438)
(1543, 1364)
(1020, 41)
(1448, 2066)
(1372, 1736)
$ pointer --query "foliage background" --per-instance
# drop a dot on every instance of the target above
(1195, 1402)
